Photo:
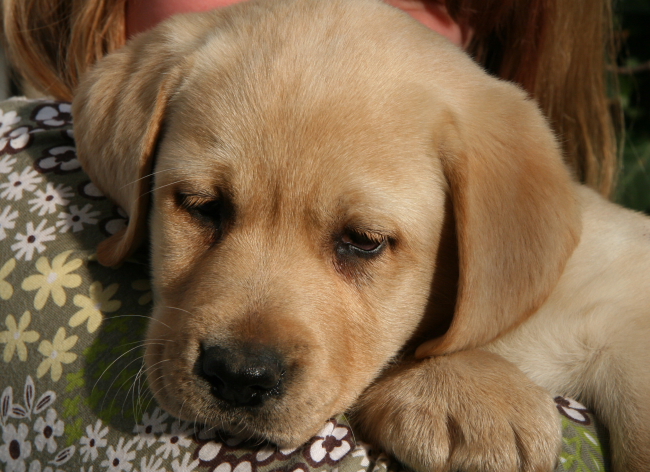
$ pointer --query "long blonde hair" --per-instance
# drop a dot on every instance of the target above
(557, 50)
(51, 43)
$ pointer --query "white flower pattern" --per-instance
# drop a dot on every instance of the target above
(178, 437)
(46, 202)
(7, 120)
(153, 464)
(33, 240)
(77, 218)
(119, 458)
(186, 465)
(150, 427)
(16, 448)
(7, 164)
(94, 439)
(18, 183)
(48, 430)
(7, 221)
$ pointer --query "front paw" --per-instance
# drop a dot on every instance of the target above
(469, 411)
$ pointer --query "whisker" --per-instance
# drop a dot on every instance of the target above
(144, 341)
(135, 400)
(154, 394)
(145, 371)
(180, 413)
(352, 432)
(122, 370)
(156, 172)
(150, 318)
(179, 309)
(111, 364)
(163, 186)
(134, 376)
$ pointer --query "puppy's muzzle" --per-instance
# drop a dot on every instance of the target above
(244, 376)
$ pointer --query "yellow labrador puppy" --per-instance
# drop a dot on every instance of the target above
(348, 214)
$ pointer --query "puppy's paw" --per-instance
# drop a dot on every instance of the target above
(469, 411)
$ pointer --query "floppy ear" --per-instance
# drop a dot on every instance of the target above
(517, 217)
(118, 111)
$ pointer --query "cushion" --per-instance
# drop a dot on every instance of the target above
(74, 395)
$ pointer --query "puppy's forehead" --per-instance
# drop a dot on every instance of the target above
(333, 111)
(305, 145)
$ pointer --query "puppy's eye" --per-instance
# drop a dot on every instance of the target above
(207, 210)
(361, 244)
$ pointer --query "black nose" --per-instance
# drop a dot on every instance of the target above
(245, 376)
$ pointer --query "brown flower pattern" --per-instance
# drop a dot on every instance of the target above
(53, 115)
(115, 223)
(573, 410)
(59, 159)
(15, 140)
(90, 191)
(330, 446)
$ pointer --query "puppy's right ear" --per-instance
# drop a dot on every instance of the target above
(517, 216)
(118, 111)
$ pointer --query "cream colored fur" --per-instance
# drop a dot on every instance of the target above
(302, 123)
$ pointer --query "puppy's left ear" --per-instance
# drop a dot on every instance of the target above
(118, 112)
(516, 214)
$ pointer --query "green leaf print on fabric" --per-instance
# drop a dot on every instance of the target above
(582, 438)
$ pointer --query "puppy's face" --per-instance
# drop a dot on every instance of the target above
(308, 157)
(290, 234)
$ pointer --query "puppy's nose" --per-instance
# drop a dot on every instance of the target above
(246, 376)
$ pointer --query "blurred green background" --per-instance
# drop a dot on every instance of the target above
(633, 72)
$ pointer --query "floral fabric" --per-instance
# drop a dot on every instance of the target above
(73, 395)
